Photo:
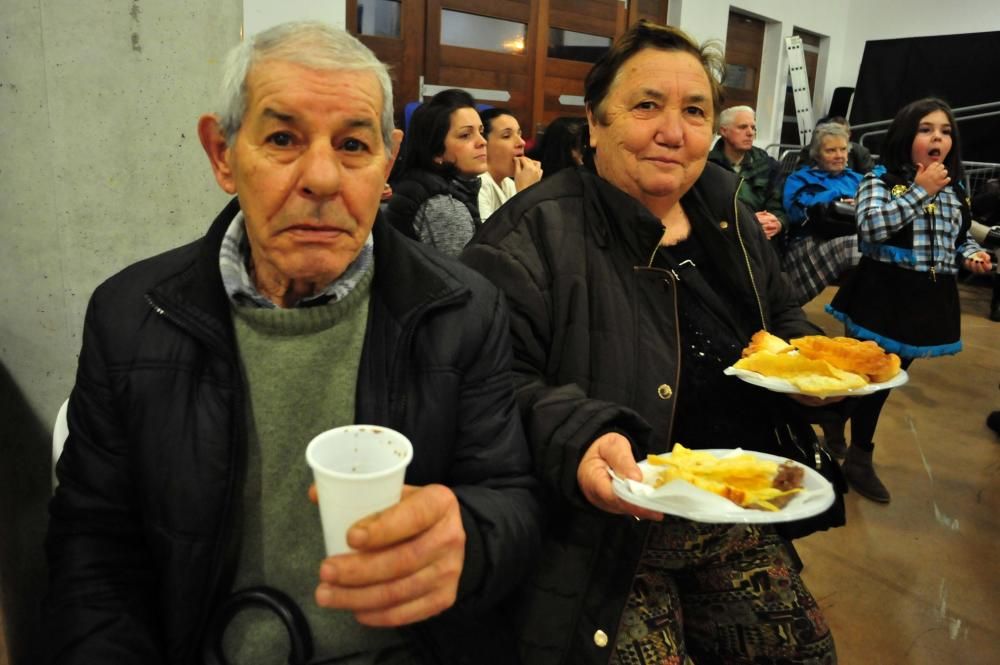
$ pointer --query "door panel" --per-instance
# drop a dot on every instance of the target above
(562, 76)
(463, 67)
(744, 45)
(535, 68)
(404, 54)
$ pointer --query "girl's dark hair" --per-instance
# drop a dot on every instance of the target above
(556, 145)
(897, 148)
(646, 35)
(428, 128)
(487, 117)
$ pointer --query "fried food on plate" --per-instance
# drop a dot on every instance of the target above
(812, 377)
(852, 355)
(745, 480)
(765, 341)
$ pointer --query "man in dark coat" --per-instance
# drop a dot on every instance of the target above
(206, 370)
(761, 174)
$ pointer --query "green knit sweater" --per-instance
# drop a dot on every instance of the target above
(301, 366)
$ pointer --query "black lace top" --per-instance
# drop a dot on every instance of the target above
(713, 410)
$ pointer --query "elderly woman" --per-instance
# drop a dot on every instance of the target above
(508, 171)
(631, 289)
(818, 251)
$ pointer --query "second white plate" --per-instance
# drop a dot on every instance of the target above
(777, 385)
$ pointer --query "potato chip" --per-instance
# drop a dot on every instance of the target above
(743, 479)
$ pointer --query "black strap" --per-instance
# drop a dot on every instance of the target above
(299, 635)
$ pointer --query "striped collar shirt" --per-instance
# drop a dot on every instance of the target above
(234, 262)
(883, 211)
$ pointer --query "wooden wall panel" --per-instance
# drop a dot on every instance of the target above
(744, 46)
(651, 10)
(472, 68)
(510, 10)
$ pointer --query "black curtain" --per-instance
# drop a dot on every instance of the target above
(961, 69)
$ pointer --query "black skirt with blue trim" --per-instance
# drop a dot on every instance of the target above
(911, 313)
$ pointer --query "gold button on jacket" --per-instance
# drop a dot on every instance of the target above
(601, 638)
(664, 391)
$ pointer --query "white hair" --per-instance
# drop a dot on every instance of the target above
(312, 44)
(727, 115)
(823, 131)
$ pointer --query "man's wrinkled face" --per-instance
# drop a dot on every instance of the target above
(740, 132)
(309, 165)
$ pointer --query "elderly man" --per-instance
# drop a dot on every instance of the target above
(736, 152)
(205, 371)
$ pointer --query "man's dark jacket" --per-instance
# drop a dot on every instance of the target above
(761, 174)
(145, 524)
(596, 349)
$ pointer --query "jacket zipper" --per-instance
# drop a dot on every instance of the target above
(746, 255)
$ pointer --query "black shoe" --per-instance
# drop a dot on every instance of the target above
(861, 476)
(993, 422)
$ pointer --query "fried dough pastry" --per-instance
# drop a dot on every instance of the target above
(765, 341)
(812, 377)
(865, 358)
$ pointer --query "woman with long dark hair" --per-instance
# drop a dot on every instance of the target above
(435, 198)
(913, 221)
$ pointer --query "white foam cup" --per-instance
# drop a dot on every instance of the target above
(358, 470)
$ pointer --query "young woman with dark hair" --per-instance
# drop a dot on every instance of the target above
(508, 169)
(435, 198)
(561, 145)
(913, 221)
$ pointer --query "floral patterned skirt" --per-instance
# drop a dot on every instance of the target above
(709, 593)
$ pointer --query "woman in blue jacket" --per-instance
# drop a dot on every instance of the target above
(813, 260)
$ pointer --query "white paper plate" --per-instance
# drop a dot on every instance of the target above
(681, 498)
(777, 385)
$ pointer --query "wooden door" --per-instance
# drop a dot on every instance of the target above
(654, 11)
(744, 46)
(572, 36)
(537, 51)
(483, 45)
(394, 31)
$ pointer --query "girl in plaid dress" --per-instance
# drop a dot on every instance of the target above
(913, 220)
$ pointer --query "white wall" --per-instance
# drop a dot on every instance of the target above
(888, 19)
(261, 14)
(845, 28)
(709, 19)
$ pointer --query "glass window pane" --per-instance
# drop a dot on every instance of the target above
(481, 32)
(739, 77)
(378, 17)
(570, 45)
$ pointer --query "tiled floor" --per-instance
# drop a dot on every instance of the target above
(917, 581)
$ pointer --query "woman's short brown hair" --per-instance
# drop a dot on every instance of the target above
(644, 35)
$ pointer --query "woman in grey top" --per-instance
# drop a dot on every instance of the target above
(435, 198)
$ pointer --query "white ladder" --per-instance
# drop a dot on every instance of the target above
(800, 88)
